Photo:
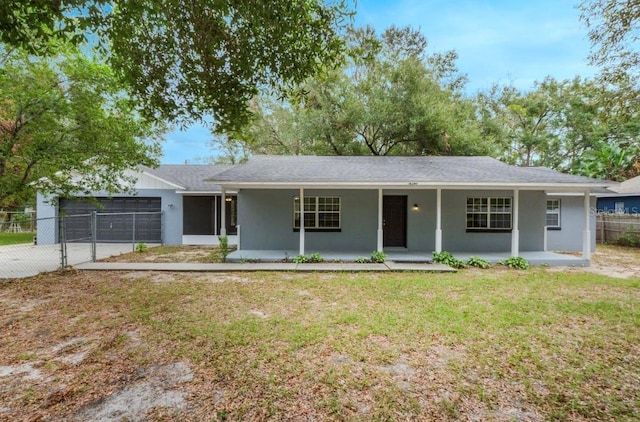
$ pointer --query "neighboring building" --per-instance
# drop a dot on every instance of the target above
(468, 205)
(621, 199)
(174, 203)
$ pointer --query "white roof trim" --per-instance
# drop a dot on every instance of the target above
(203, 192)
(580, 194)
(616, 195)
(561, 187)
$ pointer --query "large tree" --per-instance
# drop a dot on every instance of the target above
(614, 31)
(563, 125)
(66, 125)
(186, 59)
(390, 98)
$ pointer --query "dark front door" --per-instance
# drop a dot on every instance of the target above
(394, 217)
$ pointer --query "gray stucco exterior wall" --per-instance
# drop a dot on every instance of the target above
(532, 208)
(266, 221)
(569, 237)
(171, 221)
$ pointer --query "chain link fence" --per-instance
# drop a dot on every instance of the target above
(59, 242)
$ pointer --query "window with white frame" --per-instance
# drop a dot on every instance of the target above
(320, 212)
(619, 207)
(489, 213)
(553, 213)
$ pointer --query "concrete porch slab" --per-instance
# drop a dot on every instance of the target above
(206, 240)
(328, 256)
(552, 259)
(410, 257)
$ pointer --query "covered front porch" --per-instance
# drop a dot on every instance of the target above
(406, 256)
(427, 219)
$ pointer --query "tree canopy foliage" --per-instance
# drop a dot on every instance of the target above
(65, 126)
(187, 59)
(390, 98)
(565, 125)
(614, 31)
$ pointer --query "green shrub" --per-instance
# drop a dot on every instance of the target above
(476, 261)
(315, 258)
(300, 259)
(223, 246)
(516, 262)
(378, 257)
(446, 258)
(628, 238)
(362, 260)
(141, 247)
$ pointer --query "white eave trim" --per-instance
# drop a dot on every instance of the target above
(615, 195)
(203, 192)
(576, 194)
(559, 187)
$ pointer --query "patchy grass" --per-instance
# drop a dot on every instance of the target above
(482, 345)
(16, 238)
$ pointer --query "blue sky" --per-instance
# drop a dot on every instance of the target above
(513, 42)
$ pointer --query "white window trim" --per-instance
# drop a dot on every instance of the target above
(559, 213)
(618, 207)
(489, 213)
(317, 212)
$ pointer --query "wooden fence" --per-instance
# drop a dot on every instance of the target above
(610, 227)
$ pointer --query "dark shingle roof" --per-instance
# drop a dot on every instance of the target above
(190, 177)
(391, 169)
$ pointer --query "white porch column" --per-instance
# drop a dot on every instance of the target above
(238, 238)
(380, 245)
(438, 220)
(546, 236)
(223, 212)
(301, 252)
(515, 232)
(586, 235)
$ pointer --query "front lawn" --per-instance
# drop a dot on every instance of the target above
(16, 238)
(477, 345)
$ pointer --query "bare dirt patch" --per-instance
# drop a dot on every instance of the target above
(612, 261)
(195, 254)
(152, 388)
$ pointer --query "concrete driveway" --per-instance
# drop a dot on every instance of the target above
(26, 260)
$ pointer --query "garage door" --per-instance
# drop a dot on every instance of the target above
(116, 219)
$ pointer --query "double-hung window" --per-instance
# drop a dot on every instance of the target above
(320, 213)
(488, 213)
(553, 213)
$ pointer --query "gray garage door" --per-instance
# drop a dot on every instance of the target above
(116, 219)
